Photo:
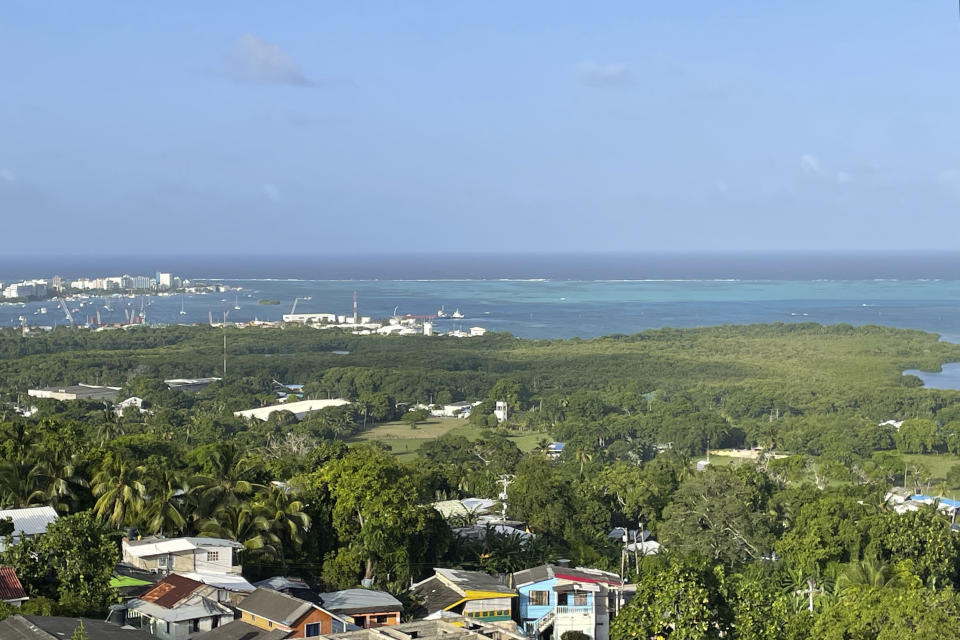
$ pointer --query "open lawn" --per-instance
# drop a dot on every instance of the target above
(937, 464)
(405, 442)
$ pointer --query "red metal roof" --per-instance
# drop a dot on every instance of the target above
(171, 590)
(10, 587)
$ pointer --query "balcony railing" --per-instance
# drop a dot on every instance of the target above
(574, 610)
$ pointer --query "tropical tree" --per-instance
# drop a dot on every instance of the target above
(163, 510)
(288, 521)
(682, 599)
(246, 523)
(119, 491)
(377, 517)
(21, 483)
(225, 481)
(61, 479)
(72, 562)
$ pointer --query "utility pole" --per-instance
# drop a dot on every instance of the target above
(224, 329)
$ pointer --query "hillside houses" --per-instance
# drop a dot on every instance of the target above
(193, 588)
(177, 608)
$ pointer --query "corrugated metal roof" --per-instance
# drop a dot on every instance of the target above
(45, 627)
(549, 571)
(359, 601)
(275, 606)
(436, 595)
(240, 630)
(171, 590)
(228, 581)
(30, 521)
(10, 587)
(203, 609)
(474, 580)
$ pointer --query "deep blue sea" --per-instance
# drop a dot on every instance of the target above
(540, 295)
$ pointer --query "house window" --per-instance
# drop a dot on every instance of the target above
(213, 556)
(195, 625)
(539, 598)
(579, 598)
(313, 629)
(168, 627)
(164, 562)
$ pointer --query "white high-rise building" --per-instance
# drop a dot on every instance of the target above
(165, 280)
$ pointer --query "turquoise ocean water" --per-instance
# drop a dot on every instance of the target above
(558, 308)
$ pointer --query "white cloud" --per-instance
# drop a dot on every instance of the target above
(810, 164)
(271, 192)
(254, 60)
(597, 74)
(7, 176)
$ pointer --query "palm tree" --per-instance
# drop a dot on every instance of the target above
(60, 479)
(20, 484)
(226, 482)
(111, 428)
(245, 523)
(866, 573)
(119, 491)
(19, 439)
(288, 521)
(163, 513)
(583, 456)
(503, 553)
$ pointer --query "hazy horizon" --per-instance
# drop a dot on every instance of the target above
(676, 265)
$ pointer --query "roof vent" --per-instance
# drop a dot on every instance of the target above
(563, 562)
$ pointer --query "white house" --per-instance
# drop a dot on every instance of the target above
(133, 401)
(184, 555)
(501, 411)
(454, 410)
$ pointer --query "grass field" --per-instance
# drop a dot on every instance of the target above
(938, 464)
(405, 442)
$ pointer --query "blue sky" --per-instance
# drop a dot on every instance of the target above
(316, 127)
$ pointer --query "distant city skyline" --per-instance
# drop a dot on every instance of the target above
(311, 128)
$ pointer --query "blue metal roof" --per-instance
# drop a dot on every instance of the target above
(947, 501)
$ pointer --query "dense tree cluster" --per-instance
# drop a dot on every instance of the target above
(783, 547)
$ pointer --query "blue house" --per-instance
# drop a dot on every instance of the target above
(555, 599)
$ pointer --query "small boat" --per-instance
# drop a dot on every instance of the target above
(43, 309)
(441, 313)
(457, 314)
(236, 302)
(182, 312)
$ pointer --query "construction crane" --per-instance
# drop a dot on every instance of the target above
(66, 311)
